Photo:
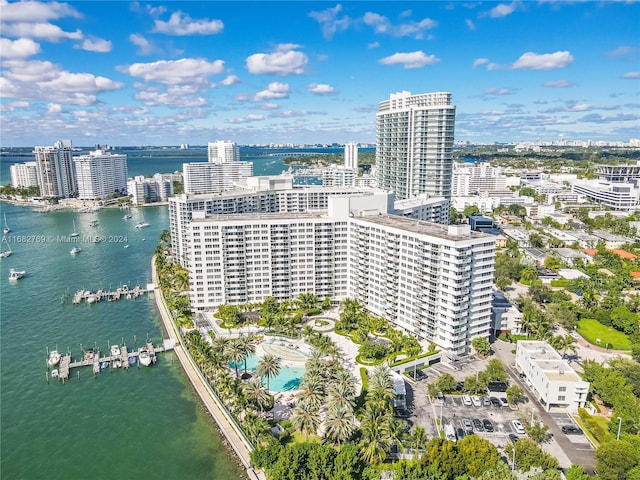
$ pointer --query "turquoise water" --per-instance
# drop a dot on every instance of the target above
(135, 423)
(289, 378)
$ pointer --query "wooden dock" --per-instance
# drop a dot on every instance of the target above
(94, 360)
(96, 296)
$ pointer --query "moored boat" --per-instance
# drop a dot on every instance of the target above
(75, 249)
(54, 358)
(16, 274)
(142, 225)
(144, 356)
(115, 350)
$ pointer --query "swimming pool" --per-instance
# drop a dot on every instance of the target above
(289, 378)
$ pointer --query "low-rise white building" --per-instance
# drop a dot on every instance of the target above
(24, 175)
(551, 377)
(505, 317)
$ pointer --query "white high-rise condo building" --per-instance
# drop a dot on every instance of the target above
(54, 166)
(24, 175)
(414, 141)
(212, 177)
(430, 280)
(101, 174)
(221, 152)
(351, 156)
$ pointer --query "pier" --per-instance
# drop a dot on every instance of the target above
(92, 358)
(95, 296)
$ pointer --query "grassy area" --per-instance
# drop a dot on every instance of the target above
(592, 330)
(586, 430)
(300, 438)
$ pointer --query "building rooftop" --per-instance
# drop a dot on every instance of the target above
(547, 360)
(197, 217)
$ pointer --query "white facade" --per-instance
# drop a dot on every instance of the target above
(351, 156)
(476, 178)
(150, 190)
(338, 176)
(223, 152)
(430, 280)
(551, 377)
(414, 141)
(100, 174)
(212, 177)
(24, 175)
(54, 166)
(619, 196)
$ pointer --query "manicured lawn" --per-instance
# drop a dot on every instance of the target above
(300, 438)
(592, 330)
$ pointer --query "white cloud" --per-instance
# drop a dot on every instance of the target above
(96, 45)
(289, 114)
(382, 24)
(36, 11)
(230, 80)
(631, 75)
(54, 108)
(173, 72)
(281, 62)
(499, 91)
(470, 24)
(624, 51)
(249, 118)
(268, 106)
(172, 98)
(21, 48)
(329, 21)
(320, 88)
(373, 45)
(144, 46)
(559, 84)
(410, 59)
(480, 61)
(182, 24)
(273, 90)
(46, 31)
(502, 10)
(545, 61)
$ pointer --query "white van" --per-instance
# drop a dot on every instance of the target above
(517, 427)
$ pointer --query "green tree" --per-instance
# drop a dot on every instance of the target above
(614, 459)
(446, 383)
(537, 431)
(528, 454)
(268, 367)
(256, 393)
(471, 210)
(576, 472)
(514, 394)
(304, 418)
(495, 371)
(340, 425)
(481, 345)
(478, 454)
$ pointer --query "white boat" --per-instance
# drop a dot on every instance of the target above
(115, 350)
(94, 223)
(142, 225)
(144, 357)
(75, 232)
(127, 216)
(6, 228)
(75, 249)
(54, 373)
(54, 358)
(16, 274)
(7, 252)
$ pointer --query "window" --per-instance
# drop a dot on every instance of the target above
(562, 389)
(561, 398)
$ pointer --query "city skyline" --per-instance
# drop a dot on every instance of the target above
(140, 73)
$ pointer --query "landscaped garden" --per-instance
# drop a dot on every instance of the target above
(603, 336)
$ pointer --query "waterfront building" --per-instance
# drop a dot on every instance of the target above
(551, 377)
(212, 177)
(339, 176)
(430, 280)
(351, 156)
(223, 152)
(150, 190)
(54, 167)
(24, 175)
(100, 174)
(414, 141)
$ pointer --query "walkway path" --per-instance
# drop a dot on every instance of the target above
(224, 425)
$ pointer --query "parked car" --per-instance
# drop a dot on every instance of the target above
(476, 401)
(504, 401)
(495, 402)
(460, 433)
(571, 430)
(517, 427)
(486, 402)
(488, 426)
(477, 424)
(468, 427)
(513, 438)
(440, 398)
(466, 400)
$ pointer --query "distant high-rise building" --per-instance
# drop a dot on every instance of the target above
(100, 174)
(24, 175)
(223, 152)
(54, 166)
(213, 177)
(414, 141)
(351, 155)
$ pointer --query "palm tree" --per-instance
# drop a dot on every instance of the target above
(256, 393)
(268, 366)
(248, 345)
(340, 396)
(304, 418)
(374, 443)
(312, 390)
(418, 439)
(340, 425)
(235, 353)
(395, 431)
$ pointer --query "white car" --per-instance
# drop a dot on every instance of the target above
(517, 427)
(476, 401)
(466, 399)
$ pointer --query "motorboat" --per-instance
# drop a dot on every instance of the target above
(115, 350)
(16, 274)
(54, 373)
(117, 363)
(126, 246)
(75, 249)
(132, 360)
(93, 223)
(104, 365)
(144, 356)
(127, 216)
(54, 358)
(142, 225)
(89, 354)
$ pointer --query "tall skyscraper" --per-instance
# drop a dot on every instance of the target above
(223, 152)
(54, 166)
(351, 155)
(414, 141)
(100, 174)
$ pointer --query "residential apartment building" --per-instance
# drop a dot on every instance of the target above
(556, 384)
(351, 156)
(149, 190)
(617, 187)
(223, 152)
(24, 175)
(100, 174)
(54, 167)
(212, 177)
(414, 141)
(430, 280)
(476, 178)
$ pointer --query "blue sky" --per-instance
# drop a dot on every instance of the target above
(165, 73)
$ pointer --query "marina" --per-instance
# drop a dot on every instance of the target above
(119, 356)
(96, 296)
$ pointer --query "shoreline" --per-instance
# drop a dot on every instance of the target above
(226, 428)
